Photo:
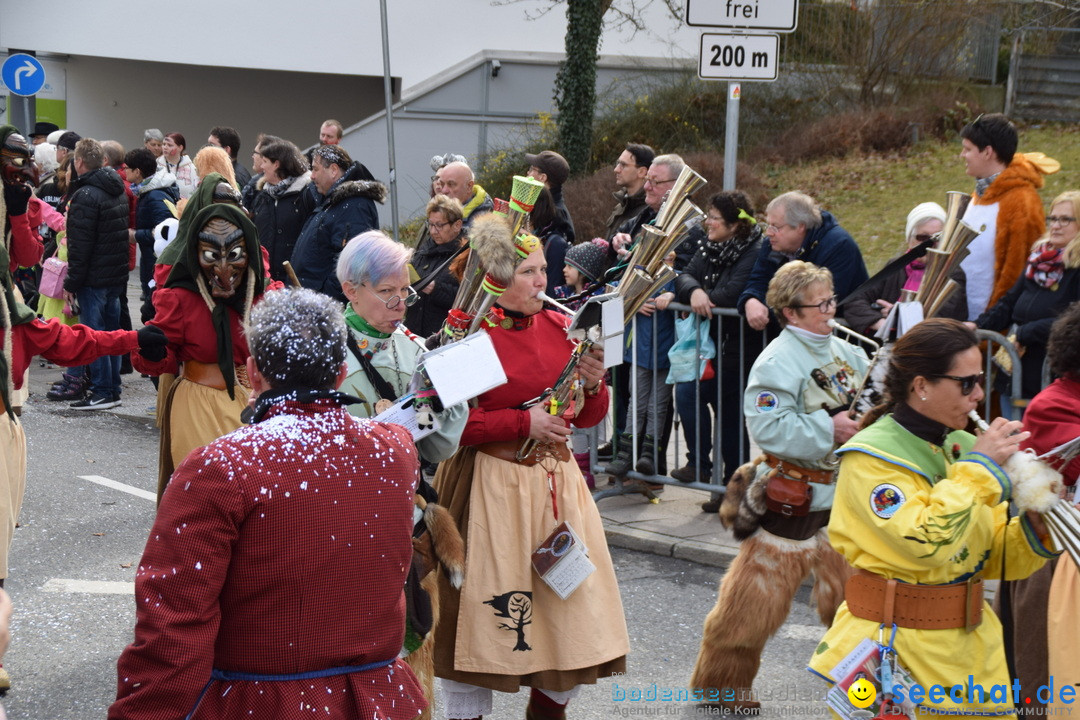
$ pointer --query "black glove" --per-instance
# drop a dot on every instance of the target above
(17, 197)
(147, 311)
(152, 343)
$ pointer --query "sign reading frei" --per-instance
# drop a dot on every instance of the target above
(776, 15)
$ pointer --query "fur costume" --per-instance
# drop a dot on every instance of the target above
(1019, 223)
(765, 575)
(793, 386)
(441, 546)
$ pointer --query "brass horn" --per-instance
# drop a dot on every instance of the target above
(956, 204)
(686, 184)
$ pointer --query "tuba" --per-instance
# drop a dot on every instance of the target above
(646, 271)
(941, 262)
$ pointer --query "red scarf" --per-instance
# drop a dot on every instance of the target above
(1046, 266)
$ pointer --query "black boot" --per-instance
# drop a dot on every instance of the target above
(623, 458)
(645, 464)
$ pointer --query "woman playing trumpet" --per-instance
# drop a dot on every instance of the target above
(921, 512)
(506, 627)
(796, 408)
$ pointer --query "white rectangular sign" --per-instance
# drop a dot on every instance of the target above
(778, 15)
(737, 56)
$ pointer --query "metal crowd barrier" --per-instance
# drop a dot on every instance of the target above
(636, 483)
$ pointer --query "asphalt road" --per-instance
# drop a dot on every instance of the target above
(75, 554)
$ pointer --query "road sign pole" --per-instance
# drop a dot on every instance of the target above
(23, 113)
(731, 135)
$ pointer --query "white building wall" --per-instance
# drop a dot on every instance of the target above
(327, 36)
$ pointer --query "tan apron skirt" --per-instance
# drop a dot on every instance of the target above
(193, 416)
(12, 482)
(505, 511)
(1063, 634)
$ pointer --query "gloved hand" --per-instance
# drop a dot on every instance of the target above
(17, 197)
(152, 343)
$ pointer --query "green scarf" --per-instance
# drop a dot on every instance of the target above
(361, 325)
(186, 271)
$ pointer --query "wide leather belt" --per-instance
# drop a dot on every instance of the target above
(507, 450)
(796, 472)
(921, 607)
(209, 374)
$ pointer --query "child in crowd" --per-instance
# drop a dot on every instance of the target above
(585, 264)
(648, 340)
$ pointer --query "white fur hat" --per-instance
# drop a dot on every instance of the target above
(923, 212)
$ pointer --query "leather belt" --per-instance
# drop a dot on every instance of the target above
(795, 472)
(209, 374)
(921, 607)
(507, 450)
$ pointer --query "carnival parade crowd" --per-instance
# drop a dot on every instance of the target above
(328, 525)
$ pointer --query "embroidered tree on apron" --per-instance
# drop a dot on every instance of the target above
(516, 606)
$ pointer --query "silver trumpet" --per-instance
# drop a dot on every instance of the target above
(1062, 519)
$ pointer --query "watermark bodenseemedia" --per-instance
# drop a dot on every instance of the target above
(659, 693)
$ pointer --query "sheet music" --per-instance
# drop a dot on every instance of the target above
(462, 370)
(403, 413)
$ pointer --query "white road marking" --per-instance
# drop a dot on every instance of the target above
(138, 492)
(803, 632)
(97, 587)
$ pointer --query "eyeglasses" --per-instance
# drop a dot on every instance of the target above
(776, 228)
(824, 306)
(436, 225)
(967, 382)
(394, 302)
(1059, 220)
(619, 165)
(658, 183)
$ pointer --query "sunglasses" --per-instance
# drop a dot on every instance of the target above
(967, 383)
(924, 237)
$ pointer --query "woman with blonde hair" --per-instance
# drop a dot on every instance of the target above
(796, 409)
(1049, 284)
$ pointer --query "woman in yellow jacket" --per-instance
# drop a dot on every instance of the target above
(921, 512)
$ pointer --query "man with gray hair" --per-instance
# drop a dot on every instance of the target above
(662, 174)
(798, 229)
(152, 139)
(457, 180)
(305, 494)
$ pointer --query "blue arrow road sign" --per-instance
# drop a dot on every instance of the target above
(23, 74)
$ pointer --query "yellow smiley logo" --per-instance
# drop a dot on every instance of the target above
(862, 693)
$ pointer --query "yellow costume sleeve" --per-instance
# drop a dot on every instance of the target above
(889, 519)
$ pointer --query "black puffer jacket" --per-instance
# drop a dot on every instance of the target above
(346, 211)
(279, 215)
(97, 232)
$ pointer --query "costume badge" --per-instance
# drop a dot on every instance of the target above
(766, 401)
(885, 500)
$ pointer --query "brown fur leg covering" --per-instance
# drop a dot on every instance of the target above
(422, 660)
(753, 601)
(831, 573)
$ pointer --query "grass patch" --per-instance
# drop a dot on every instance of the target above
(871, 194)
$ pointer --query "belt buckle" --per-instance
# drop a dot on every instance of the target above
(970, 623)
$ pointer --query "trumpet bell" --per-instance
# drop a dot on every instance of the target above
(688, 182)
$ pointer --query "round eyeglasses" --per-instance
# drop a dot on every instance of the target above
(394, 301)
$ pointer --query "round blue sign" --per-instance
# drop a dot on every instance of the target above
(23, 74)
